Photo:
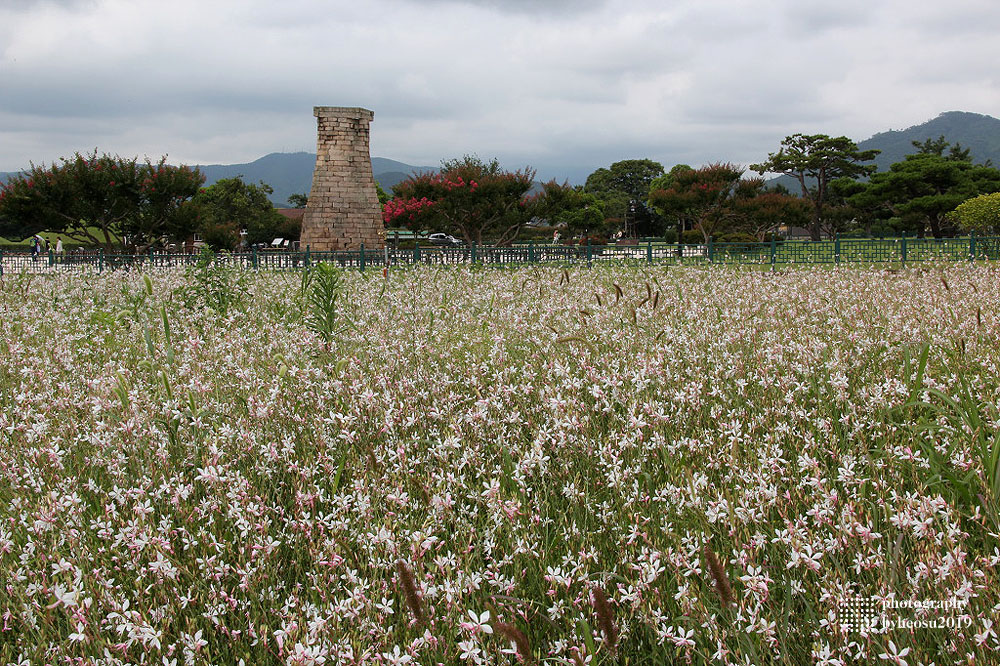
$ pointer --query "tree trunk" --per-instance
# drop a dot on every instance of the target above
(935, 226)
(816, 225)
(815, 230)
(108, 245)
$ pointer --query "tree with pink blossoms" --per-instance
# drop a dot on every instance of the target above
(472, 199)
(101, 200)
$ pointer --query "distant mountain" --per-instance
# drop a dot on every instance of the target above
(389, 179)
(381, 165)
(390, 172)
(979, 133)
(291, 173)
(286, 173)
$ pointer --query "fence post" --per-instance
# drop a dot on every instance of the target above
(361, 258)
(307, 256)
(1, 262)
(589, 255)
(774, 250)
(649, 252)
(255, 264)
(150, 257)
(711, 251)
(100, 261)
(473, 253)
(836, 249)
(416, 250)
(902, 248)
(531, 252)
(972, 245)
(51, 257)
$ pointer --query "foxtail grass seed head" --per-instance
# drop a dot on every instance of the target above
(719, 578)
(405, 580)
(515, 636)
(605, 619)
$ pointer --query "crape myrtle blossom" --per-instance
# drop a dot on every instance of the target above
(514, 438)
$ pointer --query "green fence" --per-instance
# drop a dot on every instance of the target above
(856, 251)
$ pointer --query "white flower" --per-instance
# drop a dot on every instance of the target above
(385, 606)
(469, 650)
(479, 622)
(65, 597)
(895, 655)
(824, 657)
(307, 655)
(683, 639)
(208, 474)
(78, 636)
(986, 633)
(396, 657)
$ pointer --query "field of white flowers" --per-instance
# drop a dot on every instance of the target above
(455, 466)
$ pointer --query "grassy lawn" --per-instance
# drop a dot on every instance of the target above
(614, 465)
(51, 237)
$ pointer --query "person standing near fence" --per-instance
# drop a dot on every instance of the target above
(59, 250)
(36, 247)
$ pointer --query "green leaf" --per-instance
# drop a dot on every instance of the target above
(586, 634)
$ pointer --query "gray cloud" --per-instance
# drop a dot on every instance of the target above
(563, 7)
(807, 19)
(564, 86)
(22, 5)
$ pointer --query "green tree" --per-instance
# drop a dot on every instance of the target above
(298, 200)
(979, 214)
(623, 189)
(231, 205)
(633, 177)
(382, 195)
(852, 208)
(939, 145)
(102, 200)
(925, 187)
(476, 200)
(570, 208)
(705, 198)
(670, 214)
(763, 213)
(815, 160)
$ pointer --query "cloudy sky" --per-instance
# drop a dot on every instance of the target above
(565, 86)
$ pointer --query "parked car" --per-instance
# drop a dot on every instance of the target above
(445, 240)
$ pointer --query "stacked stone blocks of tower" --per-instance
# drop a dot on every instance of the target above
(343, 210)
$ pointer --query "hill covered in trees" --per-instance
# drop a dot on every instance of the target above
(977, 132)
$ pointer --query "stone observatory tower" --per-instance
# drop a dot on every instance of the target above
(343, 210)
